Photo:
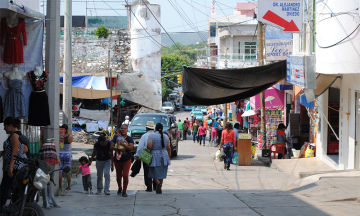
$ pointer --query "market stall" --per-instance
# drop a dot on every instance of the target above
(274, 106)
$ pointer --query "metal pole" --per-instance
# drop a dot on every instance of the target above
(262, 94)
(86, 17)
(226, 110)
(52, 64)
(67, 69)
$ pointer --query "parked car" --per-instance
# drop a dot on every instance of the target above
(203, 109)
(173, 97)
(137, 128)
(168, 107)
(188, 108)
(197, 114)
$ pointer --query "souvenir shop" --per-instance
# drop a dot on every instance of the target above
(275, 114)
(23, 78)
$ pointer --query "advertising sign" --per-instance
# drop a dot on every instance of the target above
(277, 45)
(301, 71)
(284, 14)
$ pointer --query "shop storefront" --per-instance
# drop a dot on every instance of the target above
(275, 114)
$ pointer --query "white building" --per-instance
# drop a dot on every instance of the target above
(337, 51)
(234, 36)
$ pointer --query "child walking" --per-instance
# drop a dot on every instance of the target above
(117, 145)
(281, 138)
(86, 176)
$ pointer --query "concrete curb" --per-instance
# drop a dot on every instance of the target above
(315, 178)
(308, 174)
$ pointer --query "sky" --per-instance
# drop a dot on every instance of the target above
(196, 10)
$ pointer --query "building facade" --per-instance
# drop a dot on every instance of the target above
(233, 37)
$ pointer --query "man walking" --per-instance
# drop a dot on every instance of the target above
(149, 182)
(181, 128)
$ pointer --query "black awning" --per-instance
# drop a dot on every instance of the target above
(217, 86)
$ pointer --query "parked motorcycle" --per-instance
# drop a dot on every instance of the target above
(30, 179)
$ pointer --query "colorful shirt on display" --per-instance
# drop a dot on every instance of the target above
(38, 83)
(85, 169)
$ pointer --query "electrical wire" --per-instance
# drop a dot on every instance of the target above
(163, 28)
(177, 10)
(194, 27)
(337, 42)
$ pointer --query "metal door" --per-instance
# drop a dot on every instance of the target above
(357, 130)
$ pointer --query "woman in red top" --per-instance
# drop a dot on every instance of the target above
(227, 142)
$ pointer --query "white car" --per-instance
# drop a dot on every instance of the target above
(168, 107)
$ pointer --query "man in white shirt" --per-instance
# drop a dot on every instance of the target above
(127, 120)
(150, 184)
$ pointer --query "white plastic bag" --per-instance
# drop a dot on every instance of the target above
(217, 155)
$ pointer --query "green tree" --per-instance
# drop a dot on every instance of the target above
(171, 65)
(102, 32)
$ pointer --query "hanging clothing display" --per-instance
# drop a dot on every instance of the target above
(1, 111)
(48, 154)
(13, 49)
(39, 114)
(14, 104)
(218, 86)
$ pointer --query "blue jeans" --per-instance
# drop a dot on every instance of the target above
(194, 136)
(103, 169)
(202, 137)
(228, 148)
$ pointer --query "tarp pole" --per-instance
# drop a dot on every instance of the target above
(262, 94)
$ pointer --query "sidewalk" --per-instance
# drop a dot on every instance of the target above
(198, 185)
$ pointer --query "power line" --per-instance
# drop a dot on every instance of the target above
(194, 27)
(337, 42)
(177, 10)
(163, 27)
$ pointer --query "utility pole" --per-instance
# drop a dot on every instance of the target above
(110, 84)
(225, 111)
(52, 64)
(67, 67)
(262, 94)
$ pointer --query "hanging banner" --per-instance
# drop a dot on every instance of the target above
(285, 14)
(300, 71)
(278, 45)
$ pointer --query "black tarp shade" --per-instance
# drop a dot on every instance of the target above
(215, 86)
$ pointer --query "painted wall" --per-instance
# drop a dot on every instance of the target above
(145, 77)
(342, 58)
(349, 85)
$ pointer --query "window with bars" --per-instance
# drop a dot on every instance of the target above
(250, 50)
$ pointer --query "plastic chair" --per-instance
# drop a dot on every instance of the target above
(279, 148)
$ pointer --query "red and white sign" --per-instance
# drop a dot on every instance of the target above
(284, 14)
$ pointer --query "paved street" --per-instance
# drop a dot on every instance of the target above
(198, 185)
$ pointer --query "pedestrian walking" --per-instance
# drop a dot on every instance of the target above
(159, 144)
(195, 131)
(65, 156)
(149, 182)
(12, 147)
(214, 129)
(181, 128)
(202, 133)
(84, 169)
(185, 130)
(227, 143)
(123, 165)
(103, 163)
(220, 113)
(236, 132)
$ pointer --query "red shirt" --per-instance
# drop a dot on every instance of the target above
(228, 136)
